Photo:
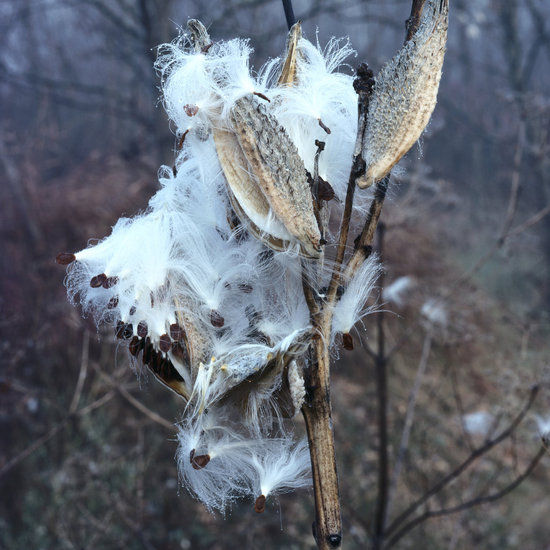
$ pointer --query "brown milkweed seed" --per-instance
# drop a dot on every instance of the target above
(142, 329)
(198, 461)
(165, 343)
(176, 332)
(98, 280)
(109, 282)
(191, 110)
(135, 345)
(65, 258)
(216, 319)
(347, 340)
(259, 505)
(112, 303)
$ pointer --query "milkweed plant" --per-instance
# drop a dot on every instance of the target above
(216, 286)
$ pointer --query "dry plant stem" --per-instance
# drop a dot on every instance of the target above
(364, 243)
(409, 418)
(470, 503)
(380, 364)
(327, 528)
(474, 455)
(413, 21)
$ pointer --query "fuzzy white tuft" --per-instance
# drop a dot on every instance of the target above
(352, 305)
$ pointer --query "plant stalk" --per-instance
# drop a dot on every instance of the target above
(327, 527)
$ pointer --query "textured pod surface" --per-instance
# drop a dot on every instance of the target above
(405, 94)
(244, 188)
(196, 341)
(278, 170)
(290, 66)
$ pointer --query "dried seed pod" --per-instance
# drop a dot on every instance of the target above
(279, 245)
(289, 70)
(279, 171)
(197, 343)
(405, 94)
(245, 191)
(165, 372)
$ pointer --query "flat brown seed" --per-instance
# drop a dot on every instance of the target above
(142, 329)
(216, 319)
(324, 126)
(147, 352)
(262, 96)
(135, 345)
(347, 340)
(98, 280)
(109, 282)
(176, 332)
(259, 505)
(123, 331)
(165, 343)
(191, 110)
(199, 461)
(246, 288)
(65, 258)
(112, 303)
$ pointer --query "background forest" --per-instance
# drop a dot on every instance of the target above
(87, 447)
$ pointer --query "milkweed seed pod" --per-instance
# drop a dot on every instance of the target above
(290, 65)
(215, 316)
(279, 171)
(246, 198)
(405, 94)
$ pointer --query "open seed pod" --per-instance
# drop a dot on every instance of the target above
(405, 94)
(265, 175)
(247, 199)
(289, 69)
(278, 171)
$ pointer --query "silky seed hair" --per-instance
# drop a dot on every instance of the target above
(204, 285)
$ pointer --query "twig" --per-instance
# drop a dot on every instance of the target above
(365, 240)
(533, 220)
(54, 431)
(82, 373)
(380, 364)
(470, 503)
(289, 13)
(474, 455)
(510, 213)
(460, 407)
(409, 417)
(363, 85)
(133, 401)
(413, 21)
